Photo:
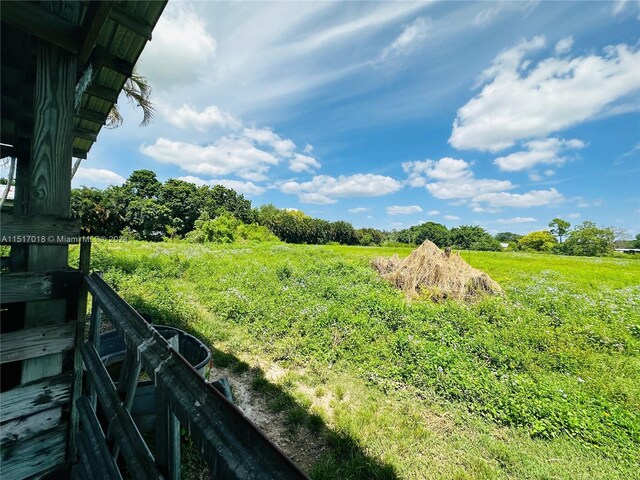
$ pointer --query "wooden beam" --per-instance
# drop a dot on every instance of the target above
(36, 342)
(102, 92)
(126, 435)
(33, 456)
(85, 134)
(92, 116)
(42, 229)
(136, 25)
(96, 442)
(43, 24)
(96, 17)
(34, 397)
(103, 58)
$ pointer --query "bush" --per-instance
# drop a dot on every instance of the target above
(542, 241)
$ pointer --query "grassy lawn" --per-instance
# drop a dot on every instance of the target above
(540, 383)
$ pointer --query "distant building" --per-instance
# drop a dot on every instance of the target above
(628, 250)
(504, 245)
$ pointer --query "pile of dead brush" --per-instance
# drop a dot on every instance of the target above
(430, 272)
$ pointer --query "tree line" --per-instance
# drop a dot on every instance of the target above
(144, 208)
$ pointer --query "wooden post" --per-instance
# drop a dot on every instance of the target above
(50, 184)
(76, 390)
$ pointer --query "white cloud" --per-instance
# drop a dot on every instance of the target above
(180, 50)
(245, 188)
(572, 215)
(97, 176)
(403, 210)
(303, 163)
(535, 177)
(433, 213)
(455, 179)
(508, 221)
(534, 198)
(324, 189)
(187, 117)
(228, 155)
(451, 217)
(564, 45)
(522, 100)
(358, 210)
(411, 33)
(266, 136)
(546, 151)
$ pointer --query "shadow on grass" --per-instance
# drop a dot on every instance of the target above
(342, 459)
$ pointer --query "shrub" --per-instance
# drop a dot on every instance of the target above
(542, 241)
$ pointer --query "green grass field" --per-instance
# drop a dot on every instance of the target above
(540, 383)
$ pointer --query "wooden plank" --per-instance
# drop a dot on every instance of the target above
(34, 455)
(32, 286)
(36, 342)
(25, 427)
(41, 23)
(136, 25)
(134, 450)
(232, 446)
(35, 397)
(41, 229)
(76, 388)
(97, 441)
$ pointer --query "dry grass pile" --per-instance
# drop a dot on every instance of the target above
(430, 272)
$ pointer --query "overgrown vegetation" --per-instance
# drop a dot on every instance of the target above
(548, 371)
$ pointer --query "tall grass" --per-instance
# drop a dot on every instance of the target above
(556, 358)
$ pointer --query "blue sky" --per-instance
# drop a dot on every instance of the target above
(504, 115)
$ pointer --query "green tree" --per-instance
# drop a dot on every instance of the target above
(344, 233)
(542, 241)
(432, 231)
(589, 240)
(219, 199)
(559, 228)
(465, 236)
(636, 243)
(143, 184)
(183, 202)
(507, 237)
(147, 218)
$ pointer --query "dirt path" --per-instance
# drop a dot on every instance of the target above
(302, 446)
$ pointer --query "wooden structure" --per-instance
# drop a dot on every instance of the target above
(64, 64)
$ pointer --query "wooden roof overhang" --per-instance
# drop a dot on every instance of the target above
(108, 40)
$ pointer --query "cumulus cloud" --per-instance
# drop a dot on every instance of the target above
(97, 176)
(403, 210)
(266, 136)
(509, 221)
(522, 100)
(358, 210)
(546, 151)
(564, 45)
(189, 118)
(245, 188)
(451, 217)
(454, 179)
(433, 213)
(180, 50)
(228, 155)
(324, 189)
(303, 163)
(411, 33)
(534, 198)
